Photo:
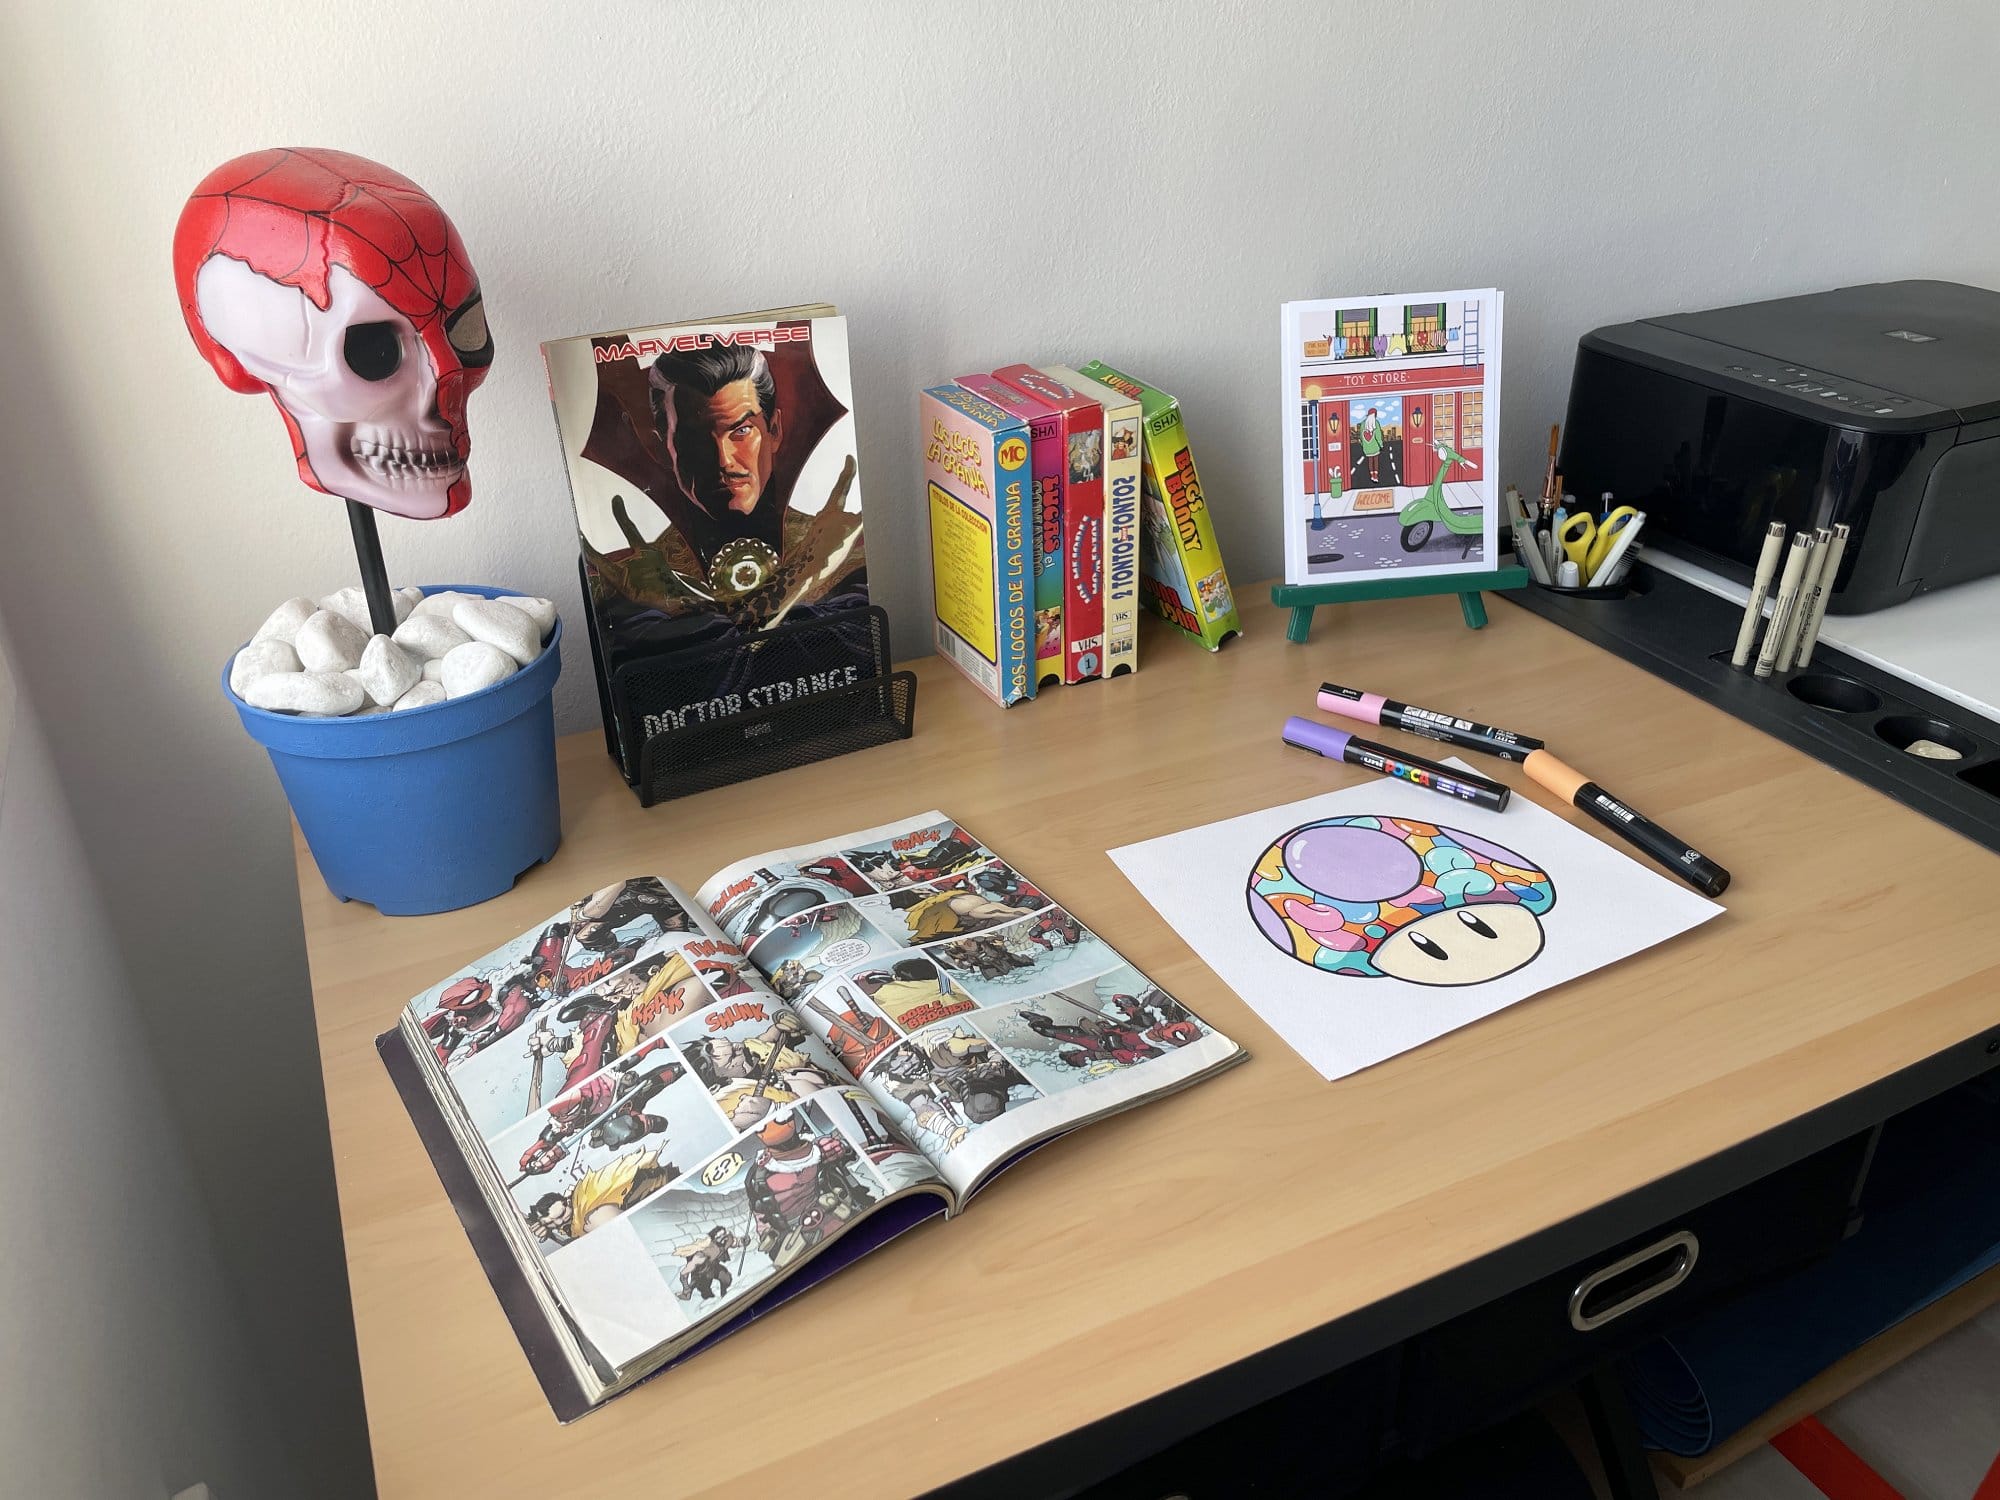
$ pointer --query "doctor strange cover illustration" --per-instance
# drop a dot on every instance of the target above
(713, 470)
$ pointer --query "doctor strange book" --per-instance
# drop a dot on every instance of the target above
(712, 466)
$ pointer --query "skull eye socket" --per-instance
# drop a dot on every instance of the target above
(467, 331)
(374, 351)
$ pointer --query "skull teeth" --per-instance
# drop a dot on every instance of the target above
(395, 461)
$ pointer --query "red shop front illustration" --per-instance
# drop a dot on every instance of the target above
(1377, 430)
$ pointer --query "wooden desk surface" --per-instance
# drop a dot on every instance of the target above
(1152, 1249)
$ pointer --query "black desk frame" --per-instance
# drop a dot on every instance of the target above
(1090, 1454)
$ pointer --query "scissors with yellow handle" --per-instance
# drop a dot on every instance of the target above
(1587, 541)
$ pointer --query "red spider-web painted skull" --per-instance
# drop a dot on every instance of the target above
(341, 288)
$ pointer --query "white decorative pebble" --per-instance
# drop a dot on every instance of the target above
(541, 611)
(351, 604)
(475, 665)
(499, 625)
(407, 601)
(284, 621)
(434, 668)
(261, 659)
(324, 694)
(429, 636)
(421, 696)
(387, 671)
(443, 602)
(328, 642)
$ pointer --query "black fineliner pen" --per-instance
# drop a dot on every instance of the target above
(1373, 708)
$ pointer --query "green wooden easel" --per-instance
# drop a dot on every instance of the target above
(1303, 598)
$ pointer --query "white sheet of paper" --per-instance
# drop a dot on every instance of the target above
(1334, 903)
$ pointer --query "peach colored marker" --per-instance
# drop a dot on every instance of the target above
(1696, 868)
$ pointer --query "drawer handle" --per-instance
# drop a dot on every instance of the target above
(1612, 1291)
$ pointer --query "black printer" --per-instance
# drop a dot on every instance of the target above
(1877, 406)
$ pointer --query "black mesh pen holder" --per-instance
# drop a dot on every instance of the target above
(703, 716)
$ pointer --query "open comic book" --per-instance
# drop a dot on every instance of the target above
(660, 1115)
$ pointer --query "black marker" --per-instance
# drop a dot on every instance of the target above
(1373, 708)
(1696, 868)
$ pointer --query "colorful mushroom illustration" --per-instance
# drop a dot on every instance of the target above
(1367, 897)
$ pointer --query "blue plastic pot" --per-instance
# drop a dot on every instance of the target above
(429, 809)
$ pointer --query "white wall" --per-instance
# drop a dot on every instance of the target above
(633, 160)
(123, 1371)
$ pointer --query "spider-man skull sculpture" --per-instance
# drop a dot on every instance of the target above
(341, 288)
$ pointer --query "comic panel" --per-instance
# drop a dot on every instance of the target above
(554, 1044)
(956, 906)
(833, 871)
(603, 932)
(802, 950)
(857, 1031)
(911, 989)
(861, 1119)
(762, 897)
(757, 1207)
(917, 857)
(1130, 998)
(945, 1082)
(724, 971)
(615, 1138)
(608, 1285)
(1025, 957)
(755, 1057)
(1090, 1030)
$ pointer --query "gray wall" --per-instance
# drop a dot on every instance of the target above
(123, 1369)
(634, 160)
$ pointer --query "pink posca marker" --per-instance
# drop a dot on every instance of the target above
(1373, 708)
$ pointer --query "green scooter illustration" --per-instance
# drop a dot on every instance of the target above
(1422, 515)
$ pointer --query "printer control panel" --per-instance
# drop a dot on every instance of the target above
(1830, 389)
(1831, 398)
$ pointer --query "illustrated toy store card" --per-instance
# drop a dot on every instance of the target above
(1392, 433)
(1368, 921)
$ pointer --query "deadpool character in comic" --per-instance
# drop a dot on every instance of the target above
(1055, 929)
(1164, 1019)
(463, 1007)
(857, 1035)
(836, 874)
(615, 1100)
(1091, 1041)
(595, 1016)
(543, 972)
(802, 1188)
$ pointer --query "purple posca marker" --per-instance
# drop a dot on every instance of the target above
(1338, 744)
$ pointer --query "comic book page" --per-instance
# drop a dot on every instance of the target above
(656, 1128)
(978, 1013)
(1392, 425)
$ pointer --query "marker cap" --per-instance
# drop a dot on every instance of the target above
(1366, 709)
(1321, 739)
(1565, 781)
